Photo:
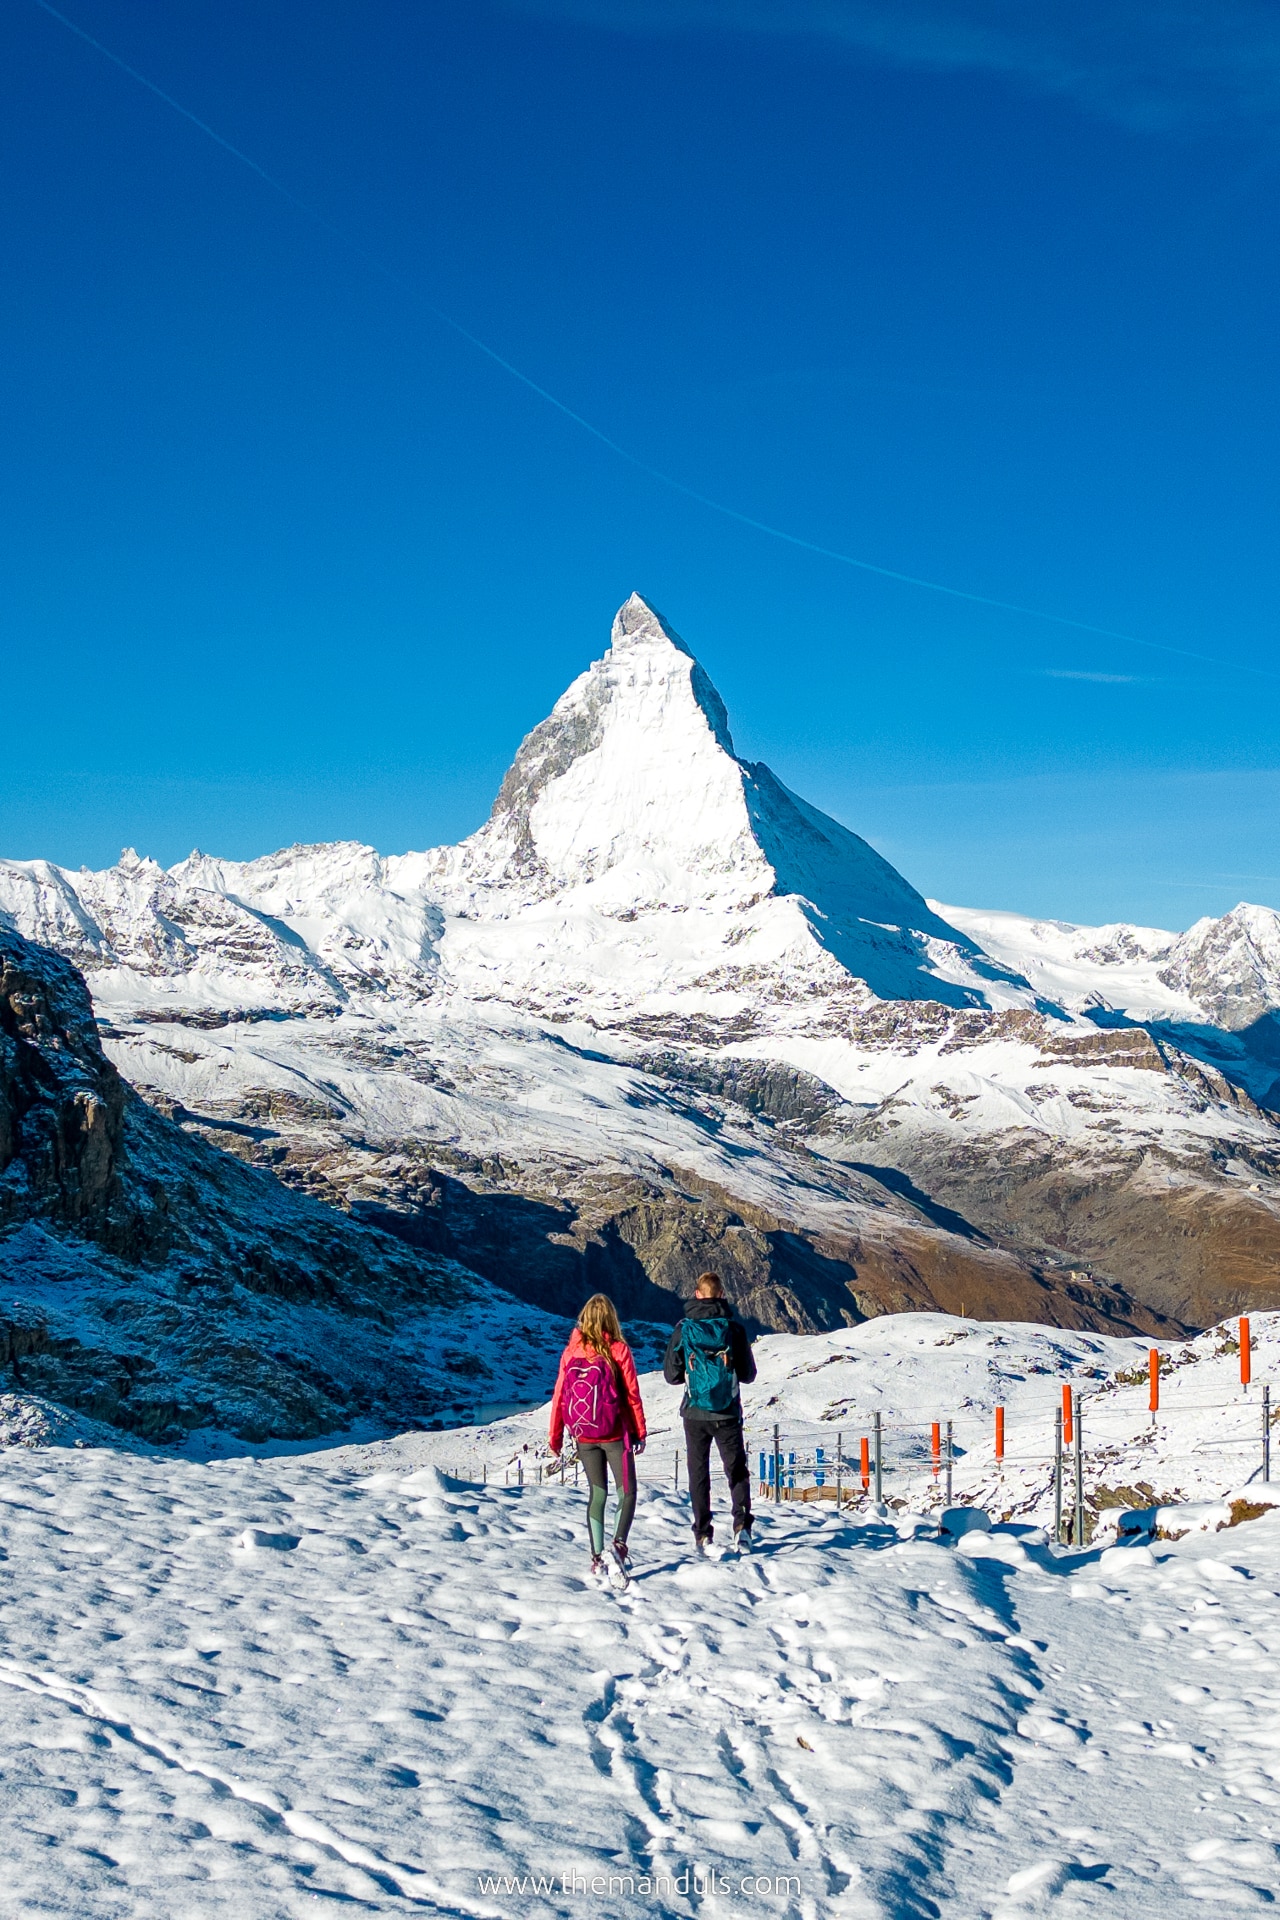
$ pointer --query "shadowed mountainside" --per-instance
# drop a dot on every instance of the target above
(158, 1284)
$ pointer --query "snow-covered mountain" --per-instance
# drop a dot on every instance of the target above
(659, 1009)
(632, 859)
(1222, 973)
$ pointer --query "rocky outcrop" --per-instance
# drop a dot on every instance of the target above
(61, 1102)
(1189, 1238)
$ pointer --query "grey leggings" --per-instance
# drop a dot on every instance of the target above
(597, 1457)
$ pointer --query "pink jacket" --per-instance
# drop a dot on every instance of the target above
(632, 1406)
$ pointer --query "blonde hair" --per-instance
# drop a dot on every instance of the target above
(598, 1324)
(709, 1284)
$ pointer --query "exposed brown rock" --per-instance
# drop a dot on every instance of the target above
(1177, 1233)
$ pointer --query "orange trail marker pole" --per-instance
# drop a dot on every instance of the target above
(1068, 1429)
(937, 1447)
(1153, 1367)
(1246, 1354)
(865, 1462)
(999, 1433)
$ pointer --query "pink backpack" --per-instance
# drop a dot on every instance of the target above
(592, 1406)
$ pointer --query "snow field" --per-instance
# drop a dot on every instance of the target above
(263, 1687)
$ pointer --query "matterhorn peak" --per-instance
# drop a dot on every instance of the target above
(628, 803)
(636, 619)
(631, 781)
(645, 652)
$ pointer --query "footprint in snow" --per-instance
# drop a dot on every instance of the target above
(1039, 1881)
(254, 1538)
(1050, 1731)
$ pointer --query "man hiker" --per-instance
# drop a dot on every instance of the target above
(710, 1352)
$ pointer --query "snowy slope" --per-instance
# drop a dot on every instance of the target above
(1223, 972)
(1116, 966)
(259, 1685)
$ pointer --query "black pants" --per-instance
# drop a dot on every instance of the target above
(698, 1435)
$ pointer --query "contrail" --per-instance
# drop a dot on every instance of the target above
(597, 433)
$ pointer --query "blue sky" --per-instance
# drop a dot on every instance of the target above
(976, 292)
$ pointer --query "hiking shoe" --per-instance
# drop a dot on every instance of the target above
(598, 1571)
(700, 1546)
(619, 1567)
(742, 1540)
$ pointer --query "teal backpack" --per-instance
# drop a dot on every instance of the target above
(708, 1365)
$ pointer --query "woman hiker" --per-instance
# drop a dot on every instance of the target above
(597, 1398)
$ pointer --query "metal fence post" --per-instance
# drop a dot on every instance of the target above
(1057, 1478)
(777, 1467)
(1079, 1528)
(949, 1458)
(879, 1462)
(839, 1467)
(1266, 1430)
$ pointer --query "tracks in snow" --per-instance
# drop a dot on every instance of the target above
(883, 1728)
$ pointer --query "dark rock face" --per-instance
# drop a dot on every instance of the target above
(768, 1087)
(61, 1102)
(150, 1280)
(1190, 1229)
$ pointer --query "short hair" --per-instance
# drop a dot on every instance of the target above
(709, 1283)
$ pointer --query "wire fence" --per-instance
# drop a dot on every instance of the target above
(905, 1453)
(894, 1450)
